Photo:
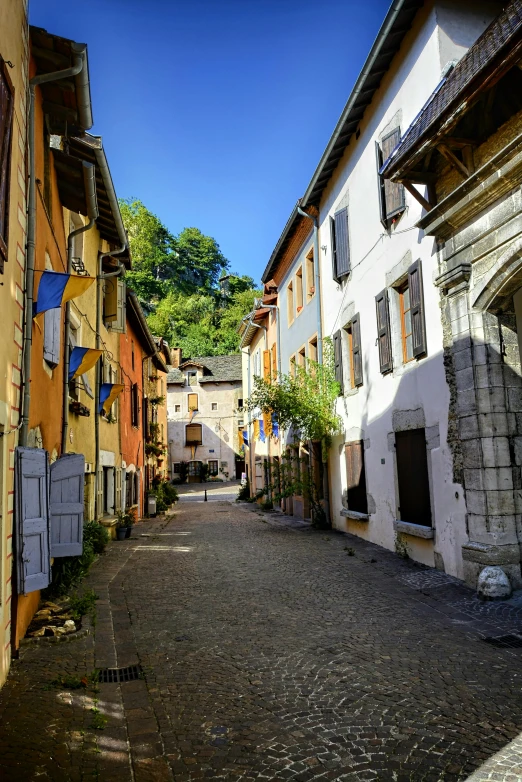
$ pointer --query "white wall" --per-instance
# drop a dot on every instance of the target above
(378, 260)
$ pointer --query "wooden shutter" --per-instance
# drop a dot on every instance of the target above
(266, 365)
(52, 336)
(120, 325)
(66, 505)
(193, 434)
(412, 474)
(334, 249)
(110, 300)
(274, 361)
(87, 385)
(393, 192)
(32, 519)
(338, 358)
(342, 245)
(418, 323)
(356, 477)
(6, 130)
(380, 182)
(356, 351)
(193, 401)
(384, 332)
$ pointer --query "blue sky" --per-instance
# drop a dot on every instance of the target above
(215, 113)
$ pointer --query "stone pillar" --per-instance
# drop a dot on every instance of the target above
(477, 375)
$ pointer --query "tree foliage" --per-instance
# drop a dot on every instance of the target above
(178, 278)
(304, 402)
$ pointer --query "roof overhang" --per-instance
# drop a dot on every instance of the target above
(395, 26)
(90, 149)
(66, 102)
(76, 184)
(293, 223)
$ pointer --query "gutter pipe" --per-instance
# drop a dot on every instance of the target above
(80, 60)
(92, 213)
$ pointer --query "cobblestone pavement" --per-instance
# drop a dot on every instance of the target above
(270, 651)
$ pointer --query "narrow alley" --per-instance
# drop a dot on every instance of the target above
(267, 652)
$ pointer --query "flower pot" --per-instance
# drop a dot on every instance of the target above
(128, 530)
(121, 533)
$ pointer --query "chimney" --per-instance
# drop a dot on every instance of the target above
(175, 357)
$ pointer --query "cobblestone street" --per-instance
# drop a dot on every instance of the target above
(269, 652)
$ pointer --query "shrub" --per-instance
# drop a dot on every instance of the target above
(244, 493)
(97, 534)
(68, 571)
(166, 494)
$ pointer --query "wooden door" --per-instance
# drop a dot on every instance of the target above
(412, 471)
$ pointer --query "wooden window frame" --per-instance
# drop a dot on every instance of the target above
(175, 410)
(190, 397)
(401, 290)
(387, 218)
(193, 427)
(339, 230)
(301, 354)
(313, 348)
(310, 276)
(299, 291)
(290, 303)
(213, 461)
(213, 405)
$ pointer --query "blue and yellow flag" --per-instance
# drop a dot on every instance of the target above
(262, 435)
(56, 288)
(275, 425)
(108, 394)
(245, 438)
(81, 360)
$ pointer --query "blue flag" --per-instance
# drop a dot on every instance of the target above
(262, 435)
(275, 425)
(245, 438)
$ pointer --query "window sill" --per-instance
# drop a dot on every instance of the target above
(355, 515)
(416, 530)
(351, 391)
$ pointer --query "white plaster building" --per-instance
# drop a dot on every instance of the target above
(391, 469)
(204, 409)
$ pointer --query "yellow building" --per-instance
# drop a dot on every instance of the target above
(13, 89)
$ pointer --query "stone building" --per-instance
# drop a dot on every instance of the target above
(204, 408)
(462, 159)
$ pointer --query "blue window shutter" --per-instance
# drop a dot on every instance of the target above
(52, 328)
(66, 505)
(33, 562)
(342, 244)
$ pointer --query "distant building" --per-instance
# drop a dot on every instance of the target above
(204, 407)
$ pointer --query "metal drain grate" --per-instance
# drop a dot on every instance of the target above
(118, 675)
(505, 641)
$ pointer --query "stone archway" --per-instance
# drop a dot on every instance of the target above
(495, 290)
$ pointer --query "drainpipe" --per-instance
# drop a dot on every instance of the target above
(326, 483)
(92, 213)
(80, 60)
(98, 381)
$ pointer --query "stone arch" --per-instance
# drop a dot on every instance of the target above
(504, 278)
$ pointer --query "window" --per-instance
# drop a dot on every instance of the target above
(354, 351)
(274, 361)
(74, 340)
(290, 302)
(292, 366)
(340, 244)
(214, 406)
(177, 408)
(213, 467)
(384, 332)
(6, 129)
(301, 358)
(239, 404)
(312, 349)
(76, 222)
(114, 291)
(299, 289)
(52, 336)
(132, 354)
(356, 477)
(413, 479)
(257, 363)
(310, 276)
(266, 365)
(391, 194)
(193, 434)
(338, 359)
(193, 402)
(192, 378)
(194, 469)
(176, 467)
(411, 303)
(135, 405)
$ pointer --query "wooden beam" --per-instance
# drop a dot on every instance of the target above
(453, 159)
(410, 187)
(458, 143)
(421, 177)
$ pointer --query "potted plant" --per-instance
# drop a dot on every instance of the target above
(130, 517)
(121, 527)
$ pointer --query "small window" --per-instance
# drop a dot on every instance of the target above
(299, 290)
(340, 244)
(176, 467)
(213, 467)
(135, 408)
(310, 276)
(214, 406)
(406, 325)
(292, 366)
(239, 404)
(391, 194)
(356, 477)
(177, 408)
(192, 378)
(354, 352)
(413, 478)
(193, 402)
(290, 302)
(114, 298)
(312, 349)
(301, 358)
(193, 434)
